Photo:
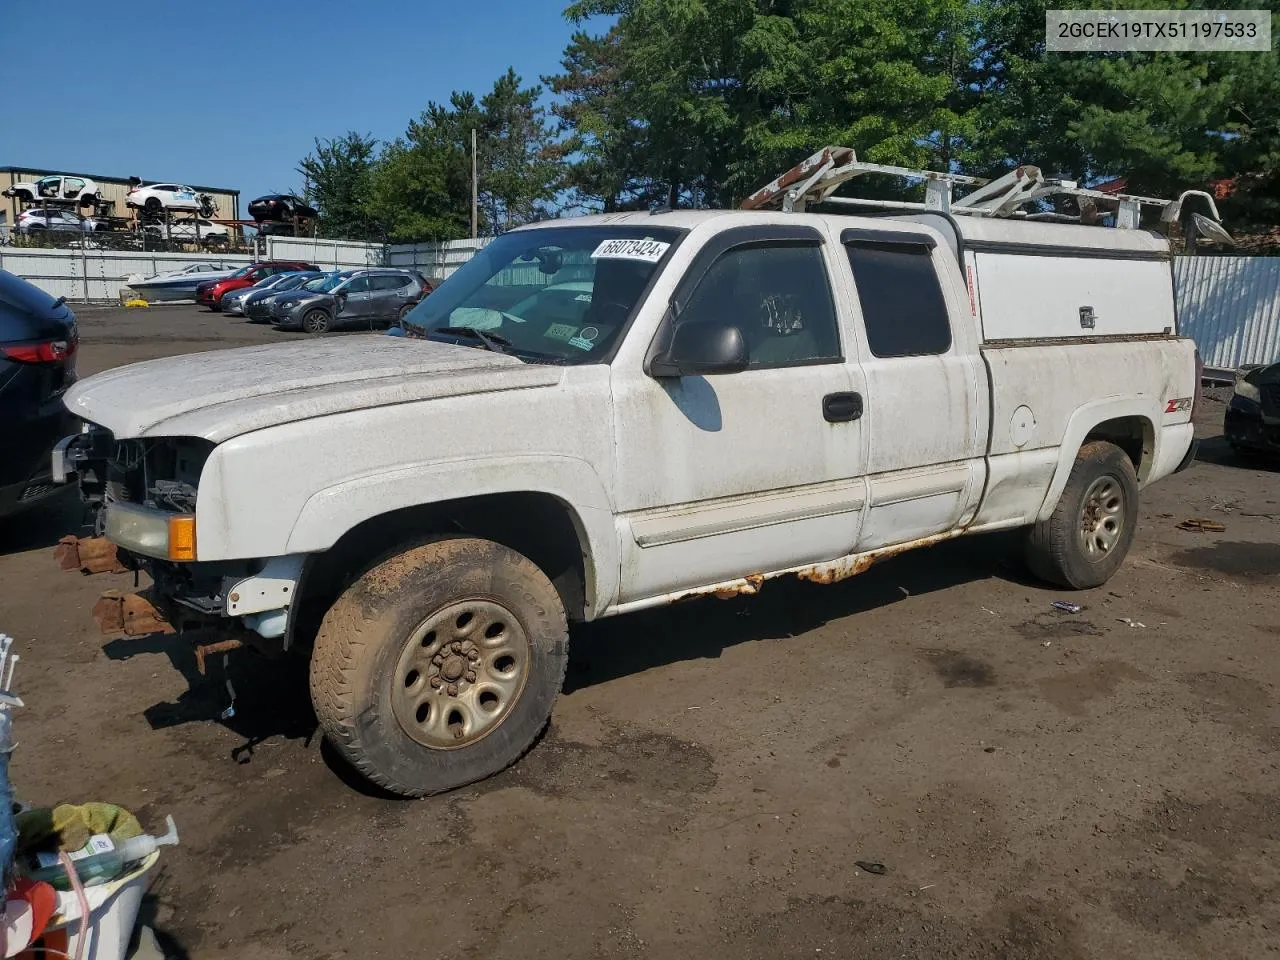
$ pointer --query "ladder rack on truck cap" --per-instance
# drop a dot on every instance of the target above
(815, 179)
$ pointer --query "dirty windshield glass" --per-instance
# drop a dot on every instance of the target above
(560, 294)
(324, 284)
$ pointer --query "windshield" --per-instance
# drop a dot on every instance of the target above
(560, 293)
(266, 282)
(292, 280)
(324, 284)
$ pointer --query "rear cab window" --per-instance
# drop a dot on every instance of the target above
(904, 312)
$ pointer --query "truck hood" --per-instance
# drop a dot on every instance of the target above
(224, 393)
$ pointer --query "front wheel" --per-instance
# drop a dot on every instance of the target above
(1086, 538)
(439, 667)
(315, 322)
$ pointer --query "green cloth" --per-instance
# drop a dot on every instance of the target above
(69, 826)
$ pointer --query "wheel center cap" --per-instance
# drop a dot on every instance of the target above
(453, 669)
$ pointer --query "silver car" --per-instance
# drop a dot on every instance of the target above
(233, 302)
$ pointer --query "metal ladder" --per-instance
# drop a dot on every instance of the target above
(815, 179)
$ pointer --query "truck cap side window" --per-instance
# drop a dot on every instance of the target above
(778, 295)
(903, 310)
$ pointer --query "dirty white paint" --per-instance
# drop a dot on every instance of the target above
(1025, 296)
(680, 485)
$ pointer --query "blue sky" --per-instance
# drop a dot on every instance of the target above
(233, 94)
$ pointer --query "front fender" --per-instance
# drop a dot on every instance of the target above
(331, 512)
(1087, 417)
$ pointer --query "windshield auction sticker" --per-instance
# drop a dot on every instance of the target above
(1121, 31)
(650, 251)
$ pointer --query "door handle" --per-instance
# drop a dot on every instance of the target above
(841, 407)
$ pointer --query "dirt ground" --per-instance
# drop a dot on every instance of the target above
(1036, 784)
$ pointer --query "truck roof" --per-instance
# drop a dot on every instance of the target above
(1028, 235)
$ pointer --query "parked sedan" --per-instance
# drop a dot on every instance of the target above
(38, 342)
(257, 305)
(1252, 420)
(155, 197)
(210, 294)
(233, 302)
(32, 221)
(355, 298)
(280, 206)
(190, 231)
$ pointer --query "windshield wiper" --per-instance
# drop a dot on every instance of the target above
(492, 341)
(498, 344)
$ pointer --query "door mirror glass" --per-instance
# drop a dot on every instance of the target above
(706, 348)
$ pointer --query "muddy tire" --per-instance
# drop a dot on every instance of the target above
(439, 666)
(1090, 531)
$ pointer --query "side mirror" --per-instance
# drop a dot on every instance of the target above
(701, 349)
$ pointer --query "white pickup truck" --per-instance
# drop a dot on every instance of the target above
(604, 414)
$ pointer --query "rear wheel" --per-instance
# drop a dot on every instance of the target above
(404, 312)
(1086, 538)
(152, 205)
(315, 322)
(439, 667)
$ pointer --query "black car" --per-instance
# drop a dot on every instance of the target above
(1253, 415)
(354, 298)
(280, 206)
(38, 341)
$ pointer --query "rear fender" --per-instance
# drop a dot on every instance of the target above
(1081, 423)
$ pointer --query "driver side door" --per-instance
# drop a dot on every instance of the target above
(354, 304)
(721, 477)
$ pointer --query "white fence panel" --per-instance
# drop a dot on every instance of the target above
(327, 254)
(435, 260)
(85, 275)
(1230, 306)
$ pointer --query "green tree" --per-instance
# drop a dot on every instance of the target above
(421, 187)
(604, 147)
(726, 93)
(1158, 119)
(520, 159)
(338, 180)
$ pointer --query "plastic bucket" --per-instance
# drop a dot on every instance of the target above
(113, 910)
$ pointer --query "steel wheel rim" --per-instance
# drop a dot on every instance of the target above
(460, 674)
(1102, 517)
(314, 322)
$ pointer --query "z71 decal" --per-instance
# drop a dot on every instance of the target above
(1180, 405)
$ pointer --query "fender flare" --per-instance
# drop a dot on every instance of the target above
(331, 512)
(1085, 418)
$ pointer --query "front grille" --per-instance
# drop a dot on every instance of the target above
(1270, 399)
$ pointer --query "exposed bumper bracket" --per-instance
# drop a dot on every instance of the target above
(88, 555)
(130, 615)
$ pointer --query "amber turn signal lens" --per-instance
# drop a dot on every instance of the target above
(182, 537)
